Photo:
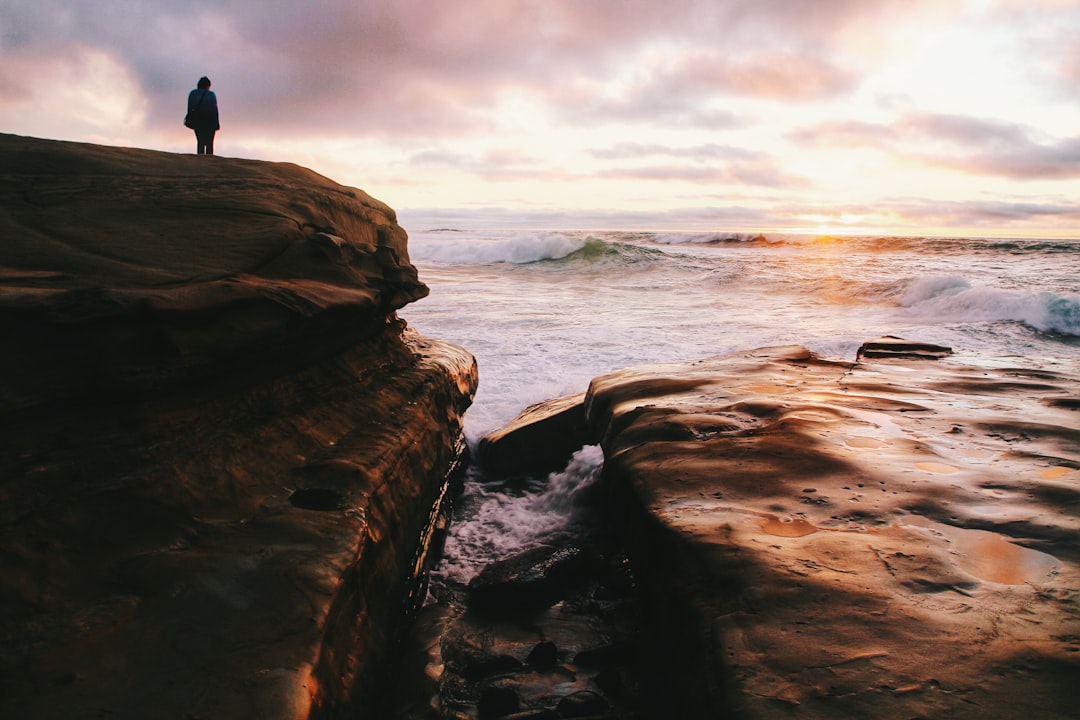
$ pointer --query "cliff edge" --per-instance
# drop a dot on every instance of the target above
(221, 453)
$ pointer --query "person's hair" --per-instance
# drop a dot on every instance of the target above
(204, 82)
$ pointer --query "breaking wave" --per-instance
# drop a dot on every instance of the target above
(487, 249)
(864, 243)
(954, 299)
(499, 521)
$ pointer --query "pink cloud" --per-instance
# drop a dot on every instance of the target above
(740, 173)
(774, 75)
(967, 144)
(844, 133)
(435, 66)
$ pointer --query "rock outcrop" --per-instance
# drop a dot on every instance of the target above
(539, 440)
(892, 538)
(221, 453)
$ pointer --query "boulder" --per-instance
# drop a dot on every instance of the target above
(890, 346)
(530, 580)
(544, 655)
(221, 453)
(541, 439)
(889, 538)
(582, 704)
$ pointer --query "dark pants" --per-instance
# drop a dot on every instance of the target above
(204, 141)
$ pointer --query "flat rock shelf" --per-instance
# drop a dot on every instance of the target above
(891, 538)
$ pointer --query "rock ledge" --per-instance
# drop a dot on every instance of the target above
(222, 454)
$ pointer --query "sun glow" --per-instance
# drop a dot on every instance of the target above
(837, 224)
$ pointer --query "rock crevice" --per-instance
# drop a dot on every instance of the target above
(889, 538)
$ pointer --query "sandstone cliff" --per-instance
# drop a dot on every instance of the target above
(220, 450)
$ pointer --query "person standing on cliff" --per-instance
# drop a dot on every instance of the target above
(202, 116)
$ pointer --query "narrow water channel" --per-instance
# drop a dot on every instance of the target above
(531, 611)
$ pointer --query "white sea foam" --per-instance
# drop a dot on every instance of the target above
(951, 299)
(924, 289)
(544, 329)
(459, 248)
(498, 522)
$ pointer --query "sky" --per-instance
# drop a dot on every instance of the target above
(907, 117)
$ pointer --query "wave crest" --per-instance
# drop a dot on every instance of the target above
(954, 299)
(475, 249)
(502, 523)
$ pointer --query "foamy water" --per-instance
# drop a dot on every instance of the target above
(546, 312)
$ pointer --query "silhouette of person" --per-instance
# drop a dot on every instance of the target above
(203, 116)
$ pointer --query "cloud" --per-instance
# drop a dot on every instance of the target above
(996, 214)
(733, 216)
(963, 130)
(708, 151)
(101, 87)
(967, 144)
(843, 133)
(654, 104)
(495, 164)
(772, 74)
(713, 163)
(454, 98)
(764, 174)
(1025, 161)
(1068, 71)
(990, 147)
(419, 67)
(993, 217)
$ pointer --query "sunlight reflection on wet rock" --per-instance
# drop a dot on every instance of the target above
(787, 526)
(936, 467)
(989, 556)
(1056, 472)
(860, 441)
(878, 514)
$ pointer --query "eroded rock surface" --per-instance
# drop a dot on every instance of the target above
(150, 268)
(539, 440)
(220, 451)
(890, 539)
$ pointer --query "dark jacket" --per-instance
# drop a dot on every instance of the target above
(202, 108)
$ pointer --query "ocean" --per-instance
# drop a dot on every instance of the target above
(544, 312)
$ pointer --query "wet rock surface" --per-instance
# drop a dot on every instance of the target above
(534, 579)
(573, 655)
(540, 439)
(892, 538)
(222, 455)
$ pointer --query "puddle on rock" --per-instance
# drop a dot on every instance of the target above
(935, 467)
(767, 389)
(787, 527)
(861, 441)
(989, 556)
(1053, 473)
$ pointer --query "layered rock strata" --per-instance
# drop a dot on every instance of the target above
(221, 452)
